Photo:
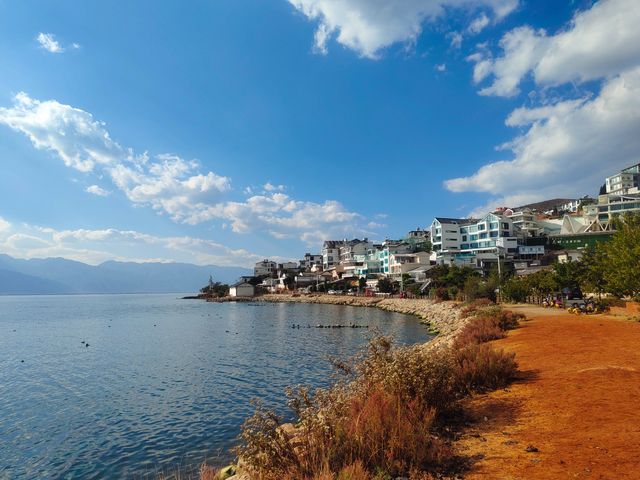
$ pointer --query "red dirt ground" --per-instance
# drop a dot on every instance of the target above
(578, 402)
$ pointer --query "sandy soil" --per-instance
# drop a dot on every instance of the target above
(577, 402)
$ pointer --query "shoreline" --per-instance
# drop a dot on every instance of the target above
(443, 319)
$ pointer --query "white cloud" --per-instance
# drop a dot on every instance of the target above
(166, 182)
(284, 217)
(456, 39)
(97, 246)
(368, 26)
(169, 183)
(479, 24)
(97, 190)
(273, 188)
(598, 43)
(49, 43)
(569, 147)
(441, 67)
(4, 225)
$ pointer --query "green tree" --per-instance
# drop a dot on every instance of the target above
(516, 289)
(594, 266)
(362, 283)
(622, 256)
(385, 285)
(568, 274)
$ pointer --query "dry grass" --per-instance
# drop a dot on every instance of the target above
(385, 418)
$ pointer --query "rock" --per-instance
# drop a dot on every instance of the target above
(226, 473)
(531, 449)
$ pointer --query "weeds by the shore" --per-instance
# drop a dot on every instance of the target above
(387, 416)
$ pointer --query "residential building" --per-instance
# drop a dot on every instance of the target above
(335, 252)
(625, 182)
(354, 250)
(400, 263)
(309, 261)
(612, 205)
(265, 268)
(288, 266)
(331, 253)
(242, 289)
(474, 243)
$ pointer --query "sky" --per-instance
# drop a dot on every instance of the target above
(228, 131)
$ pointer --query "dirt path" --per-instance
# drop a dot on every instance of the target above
(578, 402)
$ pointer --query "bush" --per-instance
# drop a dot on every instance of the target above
(479, 368)
(609, 302)
(471, 308)
(384, 418)
(479, 330)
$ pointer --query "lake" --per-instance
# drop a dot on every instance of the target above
(164, 382)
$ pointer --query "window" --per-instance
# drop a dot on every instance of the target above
(505, 226)
(481, 226)
(464, 238)
(493, 225)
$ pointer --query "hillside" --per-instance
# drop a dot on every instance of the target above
(60, 276)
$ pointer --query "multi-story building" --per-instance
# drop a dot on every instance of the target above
(400, 263)
(624, 182)
(354, 250)
(331, 253)
(309, 261)
(473, 242)
(265, 268)
(288, 266)
(336, 252)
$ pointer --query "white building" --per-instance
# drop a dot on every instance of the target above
(331, 253)
(309, 261)
(400, 263)
(625, 182)
(473, 242)
(265, 268)
(242, 289)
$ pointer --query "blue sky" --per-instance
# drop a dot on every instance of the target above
(227, 131)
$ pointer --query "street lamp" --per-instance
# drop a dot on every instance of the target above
(498, 253)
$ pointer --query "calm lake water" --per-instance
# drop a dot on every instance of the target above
(163, 382)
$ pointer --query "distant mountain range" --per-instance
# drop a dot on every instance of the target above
(61, 276)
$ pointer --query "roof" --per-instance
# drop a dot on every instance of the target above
(546, 204)
(457, 221)
(237, 284)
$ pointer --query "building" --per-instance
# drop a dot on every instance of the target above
(335, 252)
(242, 289)
(265, 268)
(400, 263)
(625, 182)
(292, 266)
(331, 253)
(309, 261)
(474, 243)
(354, 250)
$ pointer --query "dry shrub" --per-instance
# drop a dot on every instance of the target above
(479, 330)
(471, 308)
(355, 471)
(508, 320)
(390, 434)
(384, 419)
(207, 472)
(265, 447)
(480, 368)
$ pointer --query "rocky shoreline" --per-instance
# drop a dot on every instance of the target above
(442, 318)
